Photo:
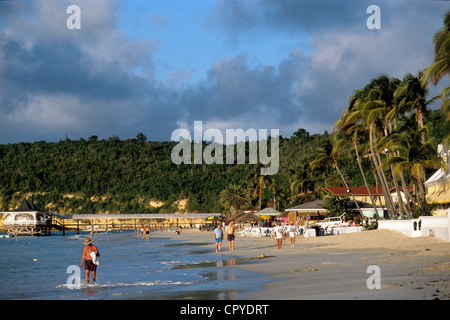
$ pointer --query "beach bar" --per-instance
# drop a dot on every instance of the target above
(308, 212)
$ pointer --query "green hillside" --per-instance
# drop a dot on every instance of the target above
(130, 176)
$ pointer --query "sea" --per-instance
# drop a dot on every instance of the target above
(130, 268)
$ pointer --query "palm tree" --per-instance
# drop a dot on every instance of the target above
(353, 130)
(327, 156)
(441, 67)
(301, 181)
(322, 161)
(411, 95)
(441, 64)
(233, 197)
(374, 102)
(414, 156)
(445, 108)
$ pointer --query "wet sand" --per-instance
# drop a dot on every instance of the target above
(336, 266)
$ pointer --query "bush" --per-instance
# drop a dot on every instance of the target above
(422, 210)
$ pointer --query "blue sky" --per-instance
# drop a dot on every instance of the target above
(190, 41)
(156, 66)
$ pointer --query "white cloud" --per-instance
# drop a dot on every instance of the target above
(100, 80)
(60, 112)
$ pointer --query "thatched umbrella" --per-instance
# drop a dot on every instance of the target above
(249, 217)
(282, 215)
(235, 216)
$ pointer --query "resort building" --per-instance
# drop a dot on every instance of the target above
(310, 211)
(438, 185)
(361, 194)
(314, 212)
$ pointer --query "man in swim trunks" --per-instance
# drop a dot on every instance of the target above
(231, 235)
(147, 232)
(218, 235)
(89, 265)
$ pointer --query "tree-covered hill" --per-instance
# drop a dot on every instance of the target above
(130, 176)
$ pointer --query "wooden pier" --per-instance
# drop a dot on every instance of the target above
(28, 220)
(108, 222)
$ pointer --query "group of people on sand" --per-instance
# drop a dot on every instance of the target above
(230, 231)
(281, 233)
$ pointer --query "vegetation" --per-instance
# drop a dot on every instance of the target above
(336, 205)
(128, 176)
(232, 196)
(385, 122)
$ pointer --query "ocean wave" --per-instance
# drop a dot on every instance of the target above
(126, 284)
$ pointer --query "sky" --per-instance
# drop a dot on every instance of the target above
(154, 66)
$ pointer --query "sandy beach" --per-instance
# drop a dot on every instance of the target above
(336, 266)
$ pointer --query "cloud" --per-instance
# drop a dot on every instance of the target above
(59, 81)
(342, 54)
(101, 81)
(238, 18)
(252, 97)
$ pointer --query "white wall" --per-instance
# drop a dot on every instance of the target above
(403, 226)
(433, 226)
(437, 226)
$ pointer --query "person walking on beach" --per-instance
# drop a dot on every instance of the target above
(292, 230)
(218, 235)
(147, 232)
(231, 235)
(90, 254)
(279, 234)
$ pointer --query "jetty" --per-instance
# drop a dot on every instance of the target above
(29, 220)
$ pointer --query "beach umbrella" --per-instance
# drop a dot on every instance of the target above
(284, 214)
(235, 216)
(214, 217)
(268, 212)
(249, 217)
